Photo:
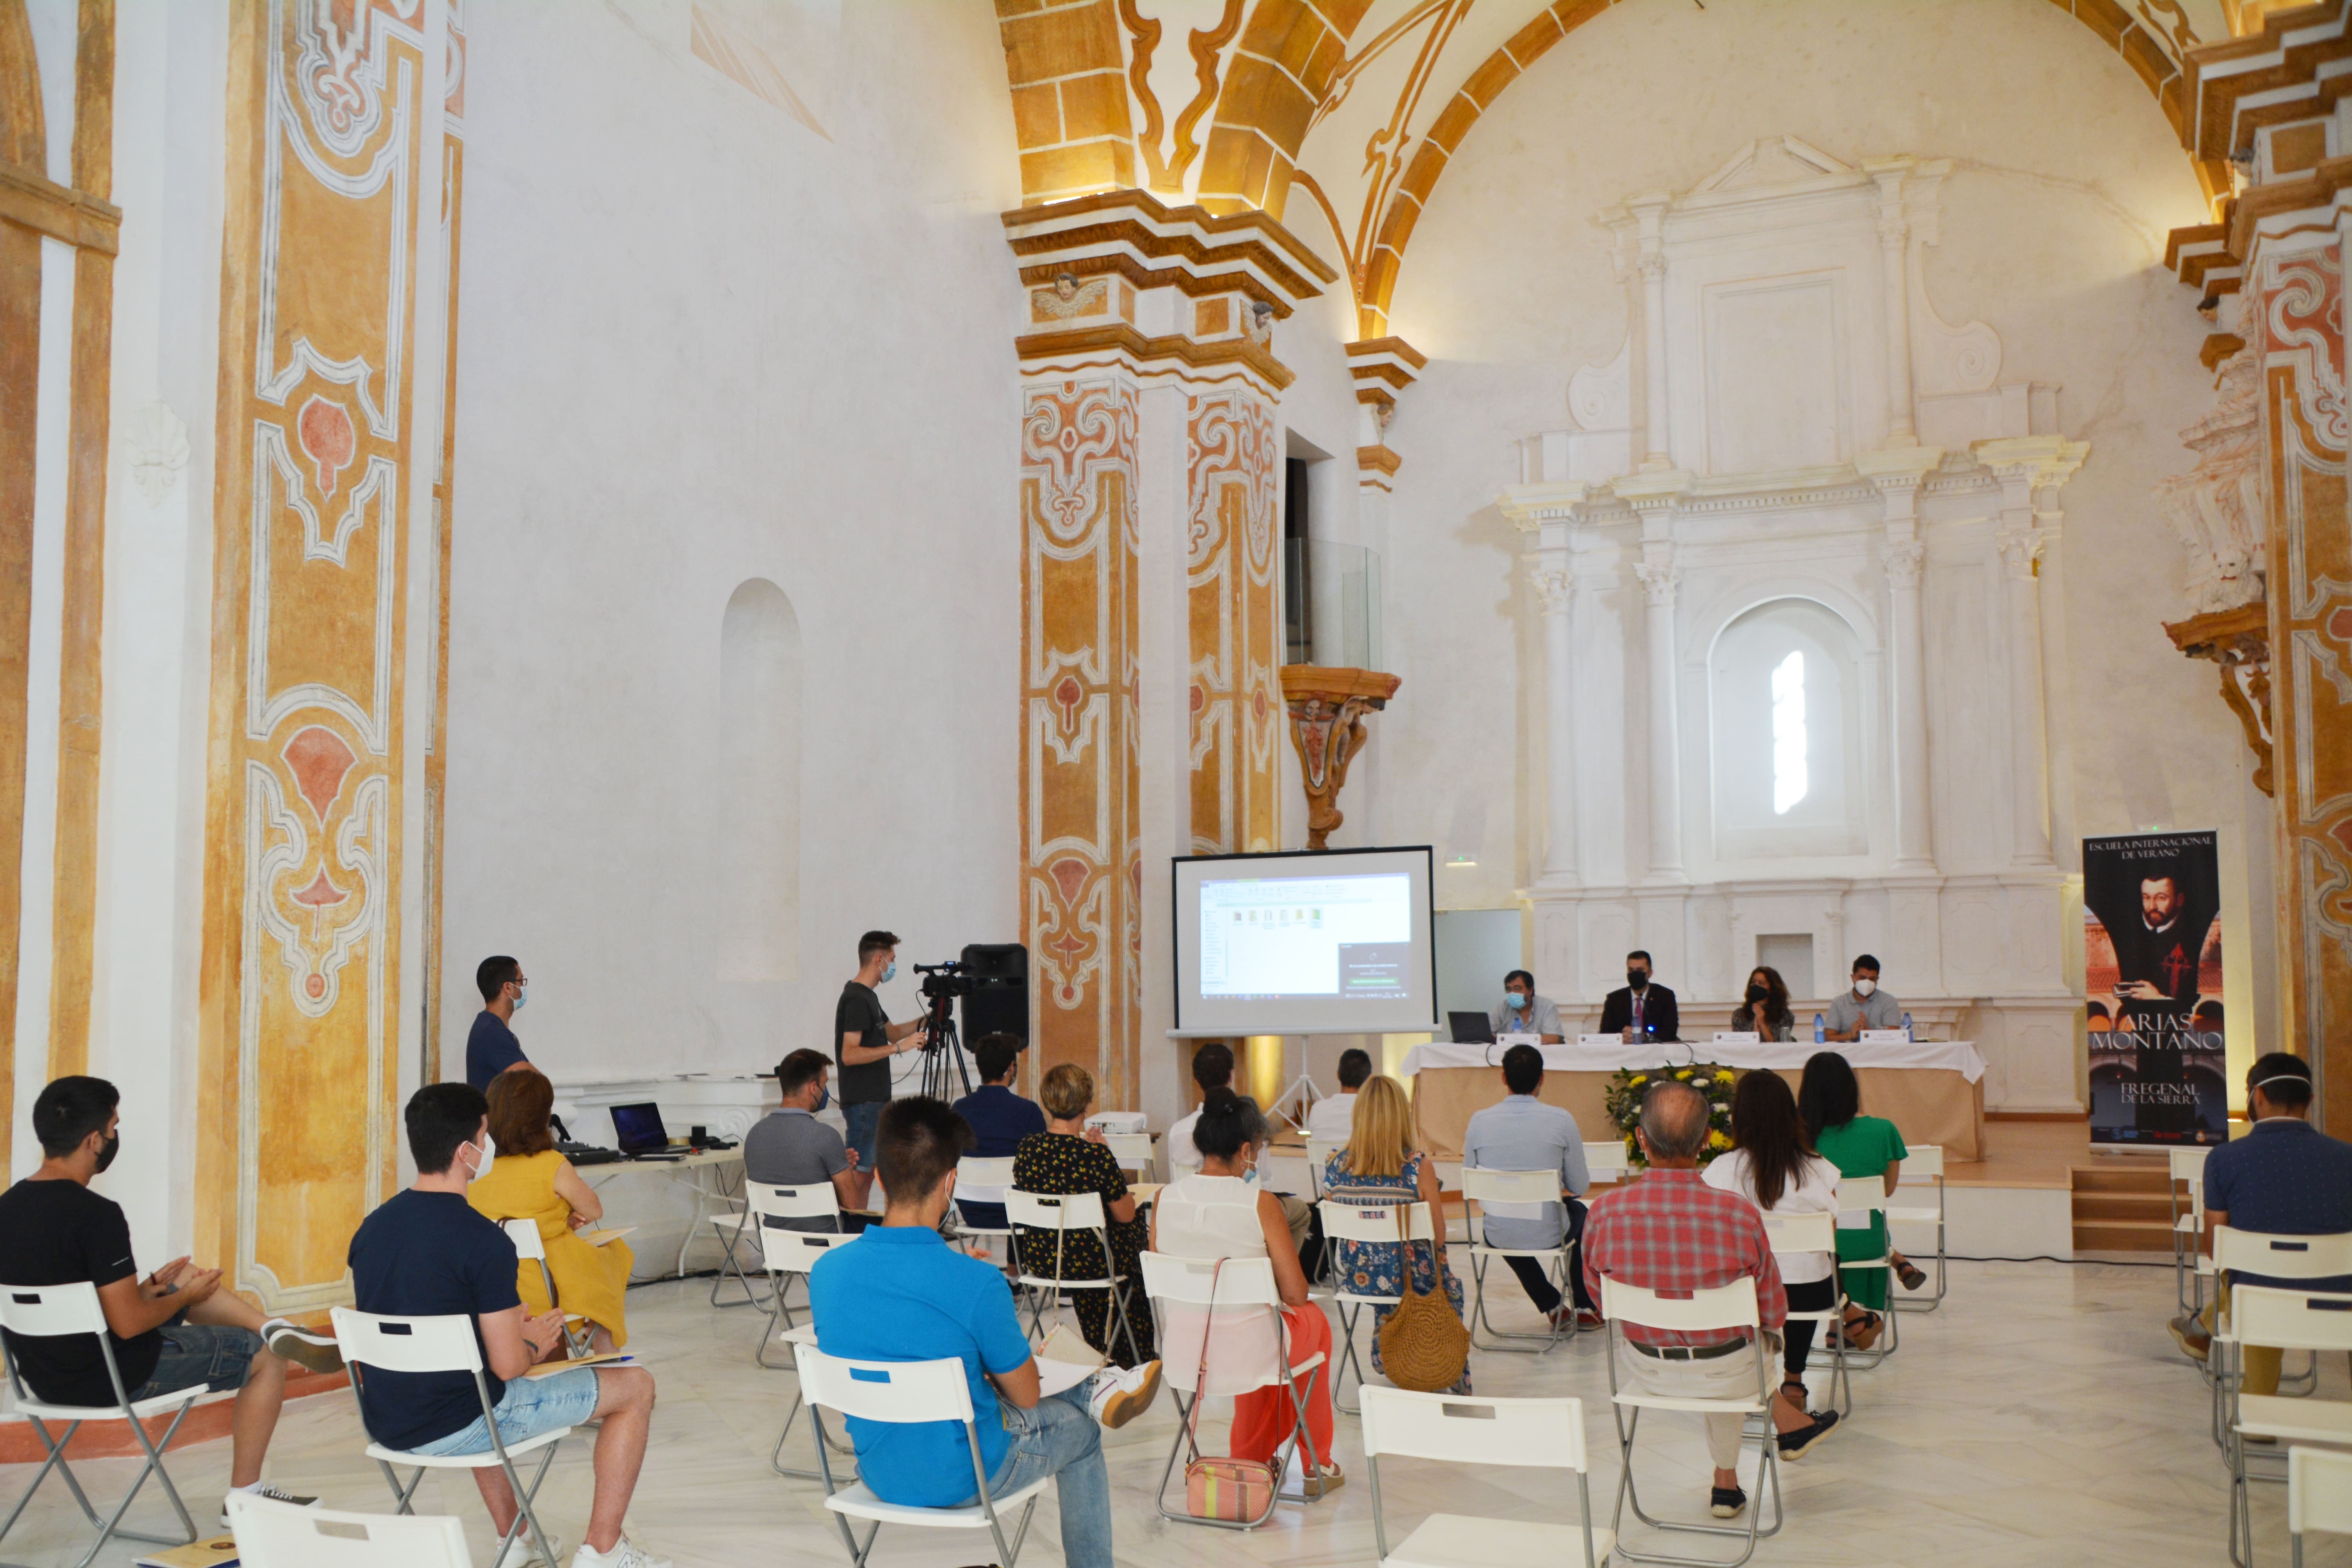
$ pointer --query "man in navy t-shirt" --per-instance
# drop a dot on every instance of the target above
(427, 1254)
(491, 1048)
(999, 1119)
(899, 1293)
(2283, 1178)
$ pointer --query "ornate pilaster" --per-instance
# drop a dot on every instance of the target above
(1554, 584)
(2029, 764)
(1657, 435)
(1656, 574)
(1893, 238)
(1896, 475)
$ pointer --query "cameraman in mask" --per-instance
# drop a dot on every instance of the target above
(865, 1039)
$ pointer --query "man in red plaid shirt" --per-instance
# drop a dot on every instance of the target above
(1671, 1232)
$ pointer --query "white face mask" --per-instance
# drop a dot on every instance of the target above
(1864, 987)
(522, 995)
(1249, 1172)
(489, 1151)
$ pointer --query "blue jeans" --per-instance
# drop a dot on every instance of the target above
(863, 1119)
(201, 1355)
(528, 1407)
(1060, 1438)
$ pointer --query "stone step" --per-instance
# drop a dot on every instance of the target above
(2122, 1235)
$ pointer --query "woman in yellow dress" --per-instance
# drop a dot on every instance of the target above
(528, 1180)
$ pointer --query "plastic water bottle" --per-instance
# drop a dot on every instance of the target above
(1821, 1034)
(1906, 1023)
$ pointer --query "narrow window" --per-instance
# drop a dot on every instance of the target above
(758, 852)
(1788, 780)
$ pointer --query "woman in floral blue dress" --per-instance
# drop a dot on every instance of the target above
(1379, 1165)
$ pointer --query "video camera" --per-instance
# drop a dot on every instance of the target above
(946, 981)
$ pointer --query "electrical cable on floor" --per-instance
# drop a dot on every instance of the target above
(2045, 1258)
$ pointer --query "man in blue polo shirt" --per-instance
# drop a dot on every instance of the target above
(901, 1294)
(491, 1048)
(2284, 1177)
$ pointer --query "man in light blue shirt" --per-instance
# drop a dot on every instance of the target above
(1522, 1012)
(1523, 1133)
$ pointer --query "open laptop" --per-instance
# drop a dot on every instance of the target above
(1468, 1030)
(638, 1130)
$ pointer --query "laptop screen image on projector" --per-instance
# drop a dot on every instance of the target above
(1333, 941)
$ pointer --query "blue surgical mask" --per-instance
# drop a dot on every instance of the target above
(824, 1097)
(890, 971)
(522, 995)
(1249, 1176)
(1513, 1001)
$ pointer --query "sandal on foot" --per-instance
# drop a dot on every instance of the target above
(1911, 1274)
(1862, 1333)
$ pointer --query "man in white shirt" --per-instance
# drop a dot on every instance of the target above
(1863, 1007)
(1523, 1133)
(1334, 1115)
(1213, 1068)
(1522, 1012)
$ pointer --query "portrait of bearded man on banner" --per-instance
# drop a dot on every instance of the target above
(2160, 945)
(2153, 955)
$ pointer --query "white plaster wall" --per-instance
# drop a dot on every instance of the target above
(2067, 179)
(699, 344)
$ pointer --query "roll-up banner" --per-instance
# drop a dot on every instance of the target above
(2152, 986)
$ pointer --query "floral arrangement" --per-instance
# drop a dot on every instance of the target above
(1626, 1092)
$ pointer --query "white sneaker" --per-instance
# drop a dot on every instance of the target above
(306, 1347)
(1121, 1394)
(265, 1489)
(524, 1553)
(625, 1553)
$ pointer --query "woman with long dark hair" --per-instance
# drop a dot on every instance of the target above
(1769, 1165)
(1830, 1101)
(1766, 1010)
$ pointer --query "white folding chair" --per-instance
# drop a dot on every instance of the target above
(1372, 1225)
(1726, 1307)
(1063, 1213)
(1925, 1162)
(2290, 1319)
(1520, 1187)
(441, 1344)
(2185, 1192)
(1817, 1232)
(790, 1254)
(906, 1392)
(51, 1312)
(1187, 1290)
(1318, 1159)
(280, 1535)
(1457, 1428)
(2289, 1257)
(2319, 1494)
(531, 1247)
(984, 1180)
(765, 1209)
(1607, 1162)
(1133, 1152)
(1857, 1194)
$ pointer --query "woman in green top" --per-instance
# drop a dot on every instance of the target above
(1858, 1146)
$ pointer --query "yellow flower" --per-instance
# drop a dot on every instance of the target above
(1715, 1139)
(1640, 1078)
(1723, 1077)
(1684, 1075)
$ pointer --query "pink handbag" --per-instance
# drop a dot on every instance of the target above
(1231, 1490)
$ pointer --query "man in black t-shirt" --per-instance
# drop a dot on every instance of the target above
(864, 1042)
(176, 1330)
(428, 1253)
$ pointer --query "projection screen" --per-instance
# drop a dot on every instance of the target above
(1336, 942)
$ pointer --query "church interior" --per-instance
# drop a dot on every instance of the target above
(659, 488)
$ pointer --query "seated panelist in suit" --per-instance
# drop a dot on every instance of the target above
(1639, 1010)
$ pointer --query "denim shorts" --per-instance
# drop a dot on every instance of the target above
(529, 1407)
(201, 1355)
(863, 1121)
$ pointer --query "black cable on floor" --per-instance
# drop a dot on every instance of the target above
(2045, 1258)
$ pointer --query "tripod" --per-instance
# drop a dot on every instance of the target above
(942, 1051)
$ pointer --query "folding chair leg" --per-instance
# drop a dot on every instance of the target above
(816, 1422)
(1497, 1340)
(1767, 1477)
(526, 1514)
(111, 1528)
(730, 1265)
(1348, 1317)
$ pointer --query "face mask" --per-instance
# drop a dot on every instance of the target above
(1758, 993)
(522, 995)
(1864, 987)
(489, 1152)
(1637, 978)
(824, 1097)
(1249, 1175)
(114, 1146)
(1513, 1001)
(890, 971)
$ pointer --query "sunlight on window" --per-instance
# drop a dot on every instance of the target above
(1788, 780)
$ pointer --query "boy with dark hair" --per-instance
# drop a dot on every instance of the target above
(865, 1039)
(1213, 1069)
(176, 1329)
(789, 1147)
(426, 1253)
(491, 1047)
(902, 1294)
(999, 1119)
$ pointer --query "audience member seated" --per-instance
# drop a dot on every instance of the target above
(528, 1180)
(1769, 1165)
(1865, 1007)
(1828, 1101)
(789, 1147)
(999, 1119)
(425, 1253)
(1380, 1166)
(1523, 1133)
(1334, 1115)
(903, 1294)
(173, 1331)
(2283, 1178)
(1213, 1069)
(1219, 1211)
(1071, 1157)
(1765, 1013)
(1672, 1232)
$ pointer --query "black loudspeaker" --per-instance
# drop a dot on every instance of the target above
(999, 1002)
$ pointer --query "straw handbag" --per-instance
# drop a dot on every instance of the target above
(1423, 1346)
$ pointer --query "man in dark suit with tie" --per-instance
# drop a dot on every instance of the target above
(1639, 1010)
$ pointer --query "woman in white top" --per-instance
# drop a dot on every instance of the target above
(1222, 1212)
(1769, 1165)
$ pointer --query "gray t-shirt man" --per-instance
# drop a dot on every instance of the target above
(791, 1148)
(1876, 1011)
(1539, 1016)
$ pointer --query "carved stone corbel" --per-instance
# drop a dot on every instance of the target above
(2239, 640)
(1326, 726)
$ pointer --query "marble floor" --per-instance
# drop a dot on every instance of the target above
(2042, 1416)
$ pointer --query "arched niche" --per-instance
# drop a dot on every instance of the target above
(1785, 733)
(759, 853)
